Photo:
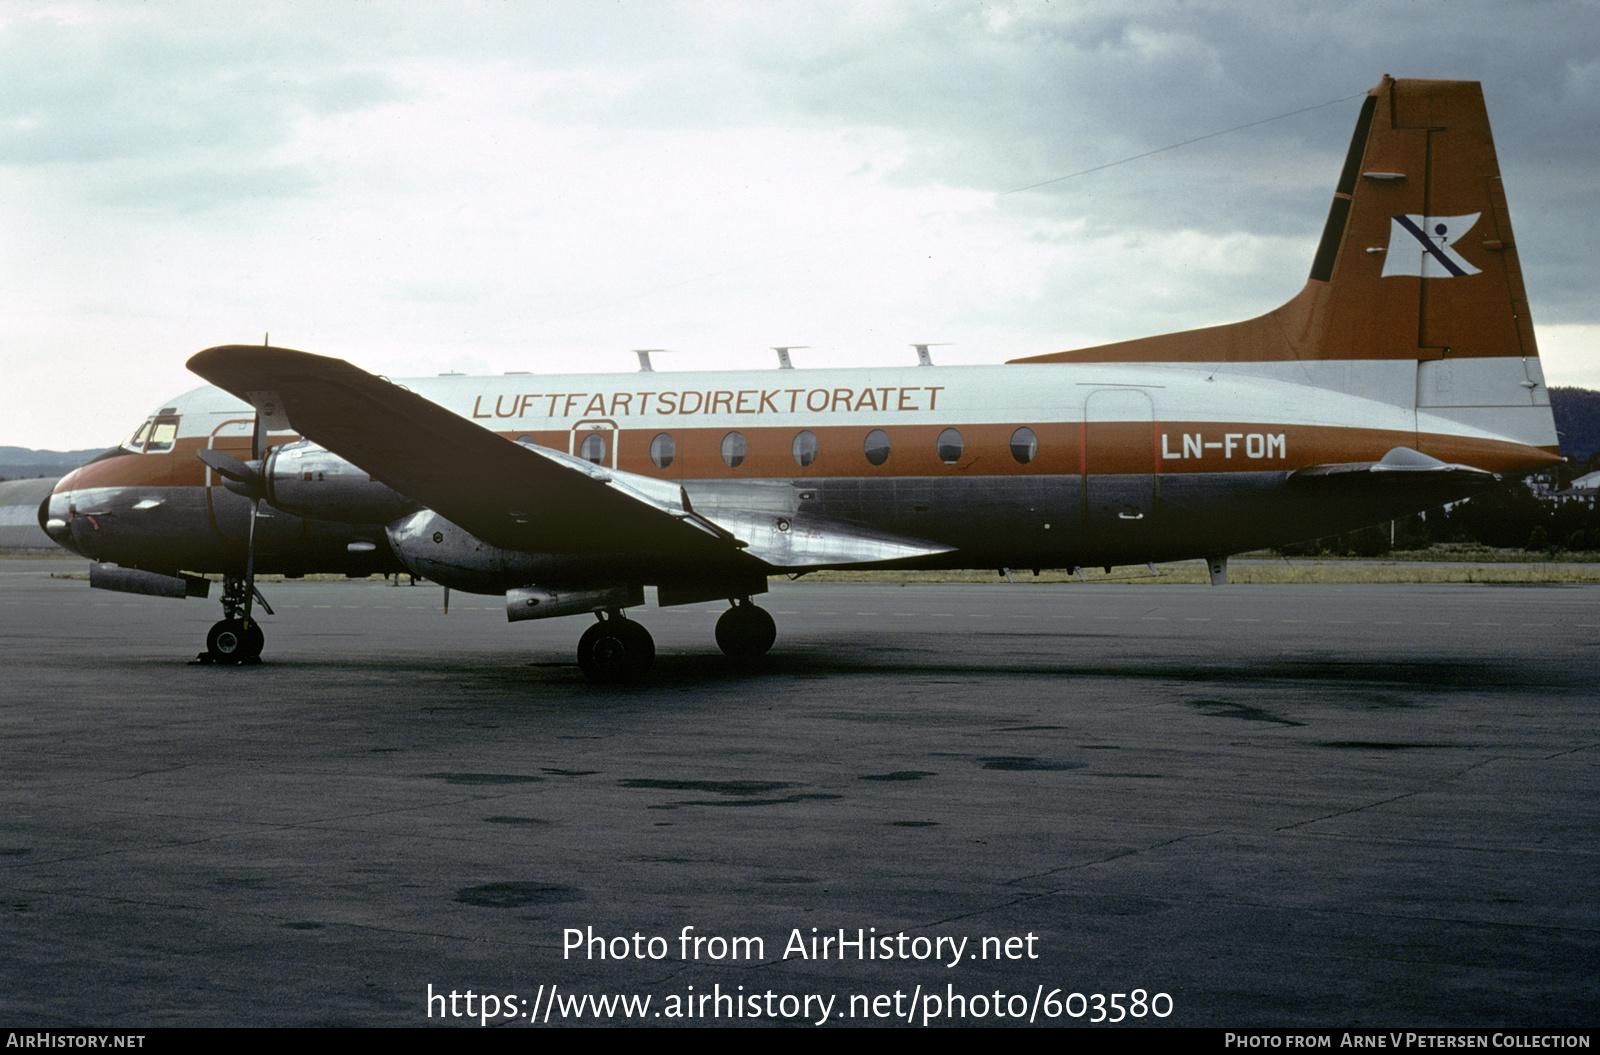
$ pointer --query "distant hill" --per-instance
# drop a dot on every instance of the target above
(1577, 412)
(22, 463)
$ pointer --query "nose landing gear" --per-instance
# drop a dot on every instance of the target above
(237, 639)
(234, 641)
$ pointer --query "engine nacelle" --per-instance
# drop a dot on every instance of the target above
(434, 548)
(539, 602)
(308, 480)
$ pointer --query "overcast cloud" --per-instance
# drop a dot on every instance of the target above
(543, 186)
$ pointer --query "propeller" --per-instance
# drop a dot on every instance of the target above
(242, 478)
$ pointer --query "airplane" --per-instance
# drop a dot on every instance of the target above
(1403, 376)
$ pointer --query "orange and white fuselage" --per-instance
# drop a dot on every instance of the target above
(994, 466)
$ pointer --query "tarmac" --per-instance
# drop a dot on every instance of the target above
(1005, 804)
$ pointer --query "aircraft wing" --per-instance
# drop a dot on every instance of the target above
(513, 495)
(508, 494)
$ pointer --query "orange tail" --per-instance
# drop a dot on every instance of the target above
(1417, 263)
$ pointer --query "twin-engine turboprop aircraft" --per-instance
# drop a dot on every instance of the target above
(1403, 376)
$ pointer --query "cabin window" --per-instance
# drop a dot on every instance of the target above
(805, 447)
(876, 447)
(162, 434)
(593, 448)
(949, 446)
(662, 450)
(1024, 445)
(733, 449)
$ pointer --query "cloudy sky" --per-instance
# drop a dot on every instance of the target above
(520, 185)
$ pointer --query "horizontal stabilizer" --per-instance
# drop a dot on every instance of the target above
(1402, 467)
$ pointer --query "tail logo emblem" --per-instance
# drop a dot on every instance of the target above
(1421, 246)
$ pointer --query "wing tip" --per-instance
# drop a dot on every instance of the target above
(227, 364)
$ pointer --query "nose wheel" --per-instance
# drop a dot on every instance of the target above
(236, 641)
(746, 631)
(615, 649)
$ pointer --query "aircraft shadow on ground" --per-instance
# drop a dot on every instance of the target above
(673, 670)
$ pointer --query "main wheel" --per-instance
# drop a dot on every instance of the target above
(746, 631)
(234, 641)
(615, 650)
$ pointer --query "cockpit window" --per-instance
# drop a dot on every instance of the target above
(162, 435)
(136, 441)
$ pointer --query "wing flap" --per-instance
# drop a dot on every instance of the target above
(796, 541)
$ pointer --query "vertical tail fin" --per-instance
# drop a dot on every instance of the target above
(1417, 264)
(1417, 259)
(1418, 256)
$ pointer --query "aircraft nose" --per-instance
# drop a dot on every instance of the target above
(54, 513)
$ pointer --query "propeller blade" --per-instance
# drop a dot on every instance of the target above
(241, 478)
(228, 465)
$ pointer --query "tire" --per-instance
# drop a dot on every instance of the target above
(746, 631)
(615, 651)
(235, 641)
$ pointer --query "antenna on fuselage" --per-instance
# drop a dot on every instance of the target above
(644, 359)
(923, 358)
(783, 350)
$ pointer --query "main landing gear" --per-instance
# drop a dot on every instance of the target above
(616, 649)
(237, 639)
(746, 631)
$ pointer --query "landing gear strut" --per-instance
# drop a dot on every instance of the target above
(237, 639)
(615, 649)
(746, 631)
